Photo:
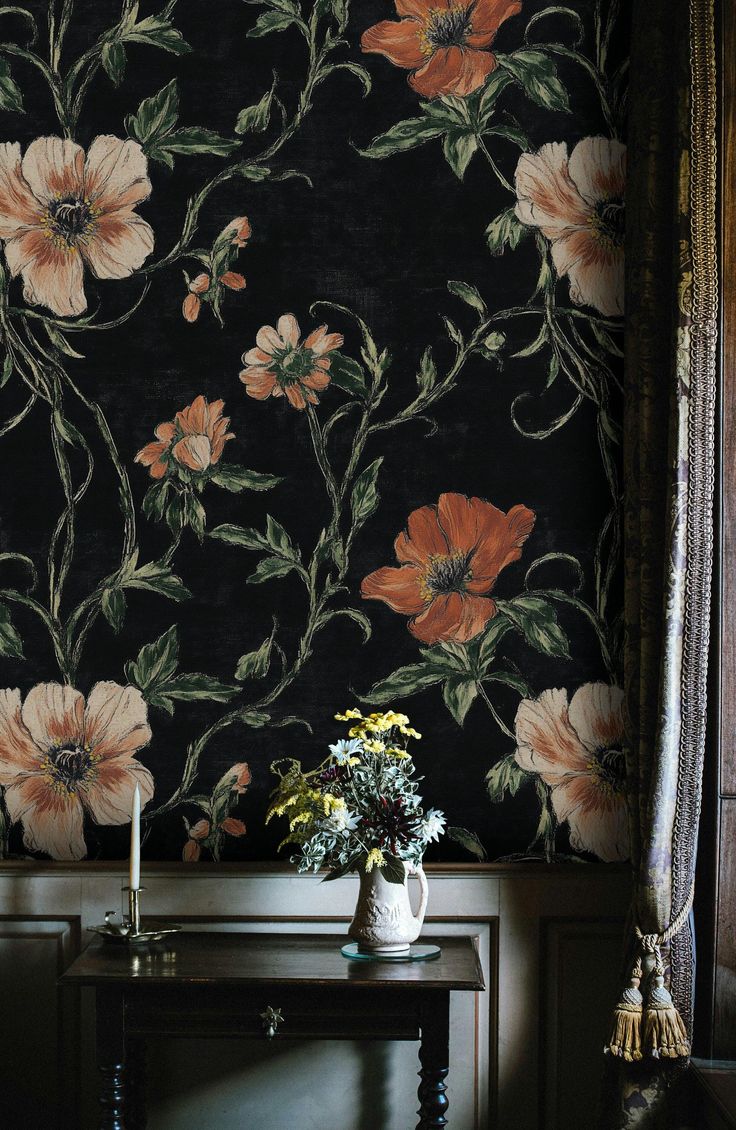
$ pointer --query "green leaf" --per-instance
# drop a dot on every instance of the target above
(154, 500)
(347, 374)
(195, 514)
(537, 74)
(459, 148)
(67, 431)
(269, 568)
(255, 664)
(404, 135)
(157, 31)
(469, 841)
(404, 681)
(155, 116)
(255, 718)
(427, 375)
(536, 619)
(350, 864)
(156, 662)
(340, 11)
(605, 340)
(255, 119)
(242, 536)
(194, 687)
(505, 777)
(10, 95)
(254, 172)
(269, 22)
(459, 695)
(235, 479)
(176, 512)
(157, 577)
(453, 333)
(448, 657)
(112, 605)
(482, 649)
(11, 646)
(506, 230)
(511, 133)
(191, 141)
(58, 340)
(393, 870)
(468, 294)
(113, 61)
(278, 539)
(497, 81)
(365, 498)
(510, 679)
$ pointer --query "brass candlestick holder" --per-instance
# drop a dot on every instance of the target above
(133, 930)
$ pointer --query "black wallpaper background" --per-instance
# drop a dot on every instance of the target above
(382, 237)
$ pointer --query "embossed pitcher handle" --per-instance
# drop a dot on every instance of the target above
(418, 870)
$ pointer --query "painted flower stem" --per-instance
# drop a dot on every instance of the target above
(317, 56)
(487, 154)
(494, 713)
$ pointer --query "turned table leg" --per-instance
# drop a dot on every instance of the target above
(111, 1058)
(434, 1055)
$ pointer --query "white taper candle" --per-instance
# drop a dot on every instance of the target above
(135, 841)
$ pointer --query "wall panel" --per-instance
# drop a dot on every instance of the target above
(517, 1049)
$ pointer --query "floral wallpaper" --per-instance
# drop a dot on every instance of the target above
(310, 399)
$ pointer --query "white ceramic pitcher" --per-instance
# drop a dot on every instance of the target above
(383, 921)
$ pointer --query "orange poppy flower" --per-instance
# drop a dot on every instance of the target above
(450, 556)
(280, 366)
(195, 438)
(60, 210)
(442, 42)
(577, 748)
(61, 757)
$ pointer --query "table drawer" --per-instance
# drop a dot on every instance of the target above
(317, 1012)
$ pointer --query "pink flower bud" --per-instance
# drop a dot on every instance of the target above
(240, 230)
(232, 826)
(243, 778)
(201, 284)
(191, 307)
(232, 280)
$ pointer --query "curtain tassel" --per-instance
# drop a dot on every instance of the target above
(665, 1034)
(625, 1039)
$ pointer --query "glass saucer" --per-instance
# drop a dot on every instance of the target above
(417, 952)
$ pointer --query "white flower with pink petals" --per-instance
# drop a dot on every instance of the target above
(61, 210)
(577, 202)
(62, 757)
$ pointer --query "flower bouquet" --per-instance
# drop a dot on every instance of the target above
(360, 809)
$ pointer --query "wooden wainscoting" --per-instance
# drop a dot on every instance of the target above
(526, 1054)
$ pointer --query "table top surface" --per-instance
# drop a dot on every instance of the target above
(210, 958)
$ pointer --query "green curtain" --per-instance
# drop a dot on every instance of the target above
(669, 458)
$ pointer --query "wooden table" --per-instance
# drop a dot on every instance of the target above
(284, 986)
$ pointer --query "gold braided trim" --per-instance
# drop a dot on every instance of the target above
(701, 483)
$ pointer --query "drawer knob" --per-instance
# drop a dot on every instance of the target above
(270, 1020)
